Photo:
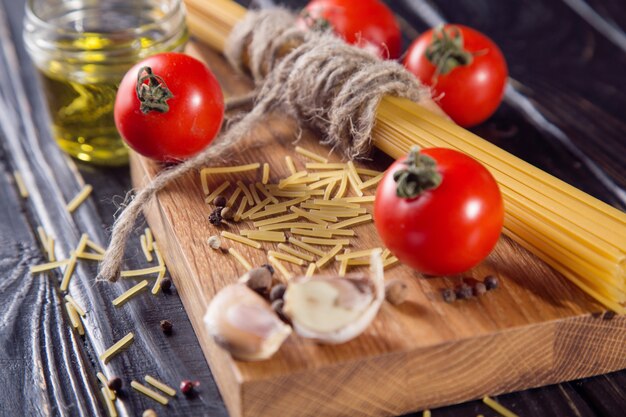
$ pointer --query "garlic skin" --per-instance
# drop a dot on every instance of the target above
(243, 323)
(335, 309)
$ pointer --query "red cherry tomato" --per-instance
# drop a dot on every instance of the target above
(447, 229)
(172, 128)
(369, 24)
(464, 67)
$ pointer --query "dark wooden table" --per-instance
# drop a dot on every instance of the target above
(565, 111)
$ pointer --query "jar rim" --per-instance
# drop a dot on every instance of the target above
(35, 19)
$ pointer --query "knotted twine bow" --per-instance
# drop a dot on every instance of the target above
(315, 77)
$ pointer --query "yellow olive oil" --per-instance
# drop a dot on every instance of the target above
(82, 119)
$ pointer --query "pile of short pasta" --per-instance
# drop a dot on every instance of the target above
(309, 214)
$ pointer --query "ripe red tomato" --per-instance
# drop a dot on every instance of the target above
(464, 67)
(443, 230)
(169, 127)
(369, 24)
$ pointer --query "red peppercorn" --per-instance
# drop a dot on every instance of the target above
(187, 386)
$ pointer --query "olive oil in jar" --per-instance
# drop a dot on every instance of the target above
(82, 51)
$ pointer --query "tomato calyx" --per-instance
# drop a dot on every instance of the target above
(154, 94)
(419, 175)
(446, 50)
(317, 24)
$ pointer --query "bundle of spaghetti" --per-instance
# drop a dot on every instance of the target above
(579, 236)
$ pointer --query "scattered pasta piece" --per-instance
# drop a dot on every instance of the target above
(326, 258)
(149, 238)
(144, 248)
(289, 225)
(371, 182)
(74, 318)
(241, 239)
(94, 246)
(255, 194)
(160, 385)
(230, 170)
(90, 256)
(149, 393)
(239, 257)
(306, 247)
(343, 186)
(107, 400)
(312, 233)
(295, 253)
(219, 190)
(19, 182)
(123, 343)
(69, 270)
(105, 384)
(357, 254)
(310, 270)
(266, 193)
(233, 198)
(290, 165)
(246, 191)
(141, 272)
(279, 267)
(274, 220)
(264, 236)
(343, 267)
(77, 307)
(256, 208)
(266, 173)
(48, 266)
(337, 203)
(286, 257)
(352, 222)
(205, 185)
(505, 412)
(130, 293)
(79, 198)
(157, 283)
(326, 242)
(311, 155)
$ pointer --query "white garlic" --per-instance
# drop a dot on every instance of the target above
(335, 309)
(243, 323)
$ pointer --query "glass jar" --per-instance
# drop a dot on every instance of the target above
(82, 49)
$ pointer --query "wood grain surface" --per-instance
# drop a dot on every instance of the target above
(534, 330)
(566, 61)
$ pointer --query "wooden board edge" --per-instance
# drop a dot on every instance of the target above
(220, 362)
(569, 349)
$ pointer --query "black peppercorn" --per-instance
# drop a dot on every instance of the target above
(215, 218)
(115, 383)
(608, 315)
(269, 268)
(448, 295)
(166, 326)
(464, 292)
(277, 292)
(491, 282)
(166, 284)
(220, 201)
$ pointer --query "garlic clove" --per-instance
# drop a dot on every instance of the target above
(241, 321)
(335, 309)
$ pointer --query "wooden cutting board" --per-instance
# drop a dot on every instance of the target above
(536, 329)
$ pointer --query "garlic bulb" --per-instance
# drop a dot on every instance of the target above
(335, 309)
(243, 323)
